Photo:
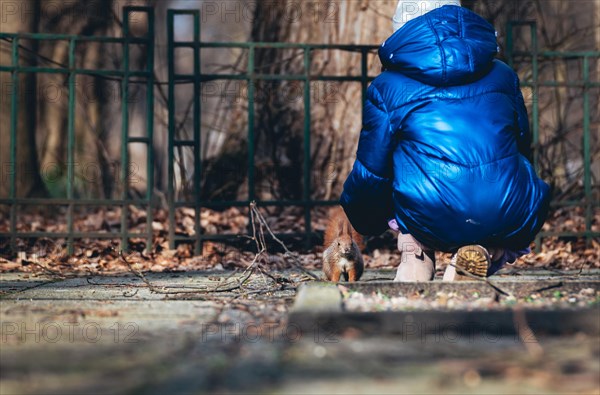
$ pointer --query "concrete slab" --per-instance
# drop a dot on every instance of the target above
(113, 335)
(188, 285)
(318, 297)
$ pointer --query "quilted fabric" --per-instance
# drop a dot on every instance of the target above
(445, 141)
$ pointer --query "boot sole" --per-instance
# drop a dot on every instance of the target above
(473, 259)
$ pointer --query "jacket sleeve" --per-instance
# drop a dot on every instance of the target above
(523, 133)
(367, 195)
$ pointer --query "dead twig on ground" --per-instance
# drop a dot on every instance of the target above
(185, 290)
(482, 279)
(553, 286)
(259, 224)
(50, 271)
(295, 261)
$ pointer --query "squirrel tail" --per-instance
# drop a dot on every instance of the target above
(339, 225)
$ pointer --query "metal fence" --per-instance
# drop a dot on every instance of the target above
(196, 79)
(125, 76)
(251, 77)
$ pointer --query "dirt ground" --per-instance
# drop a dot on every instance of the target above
(164, 333)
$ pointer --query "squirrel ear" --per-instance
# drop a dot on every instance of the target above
(348, 228)
(340, 228)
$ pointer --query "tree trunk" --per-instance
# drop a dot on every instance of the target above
(97, 121)
(80, 18)
(335, 107)
(19, 17)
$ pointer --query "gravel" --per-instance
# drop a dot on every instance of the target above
(374, 302)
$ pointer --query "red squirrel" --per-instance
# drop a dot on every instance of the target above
(342, 248)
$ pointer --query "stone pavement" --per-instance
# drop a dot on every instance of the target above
(115, 335)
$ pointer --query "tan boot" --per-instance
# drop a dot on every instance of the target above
(417, 264)
(471, 259)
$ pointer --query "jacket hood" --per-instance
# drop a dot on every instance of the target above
(447, 46)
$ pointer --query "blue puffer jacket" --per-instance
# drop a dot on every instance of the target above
(445, 141)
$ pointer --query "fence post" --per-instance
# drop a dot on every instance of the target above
(125, 132)
(251, 93)
(150, 128)
(171, 127)
(587, 161)
(197, 135)
(251, 80)
(535, 96)
(14, 112)
(509, 44)
(71, 144)
(307, 161)
(364, 73)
